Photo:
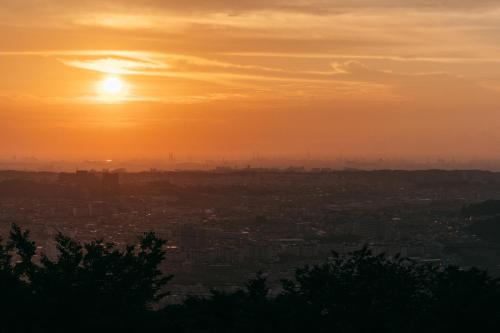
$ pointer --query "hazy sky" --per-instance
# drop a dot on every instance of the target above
(405, 78)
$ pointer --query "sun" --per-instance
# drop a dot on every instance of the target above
(112, 89)
(112, 86)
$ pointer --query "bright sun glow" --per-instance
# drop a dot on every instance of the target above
(112, 86)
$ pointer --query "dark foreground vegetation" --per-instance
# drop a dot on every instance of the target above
(97, 287)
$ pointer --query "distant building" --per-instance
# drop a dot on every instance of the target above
(81, 183)
(191, 237)
(97, 208)
(82, 178)
(80, 211)
(369, 228)
(110, 183)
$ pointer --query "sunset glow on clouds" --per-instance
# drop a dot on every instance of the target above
(379, 78)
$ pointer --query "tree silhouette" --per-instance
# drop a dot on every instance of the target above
(355, 292)
(91, 286)
(97, 286)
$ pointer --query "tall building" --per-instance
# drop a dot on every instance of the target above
(80, 177)
(82, 183)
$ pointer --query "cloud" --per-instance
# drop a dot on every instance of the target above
(150, 14)
(384, 57)
(309, 6)
(115, 66)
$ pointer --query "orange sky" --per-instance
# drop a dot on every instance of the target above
(233, 78)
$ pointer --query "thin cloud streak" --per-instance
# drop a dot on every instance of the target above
(455, 60)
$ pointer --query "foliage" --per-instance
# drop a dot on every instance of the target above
(484, 208)
(88, 286)
(99, 287)
(357, 292)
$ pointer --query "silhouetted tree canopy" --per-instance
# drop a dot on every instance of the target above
(484, 208)
(98, 287)
(93, 286)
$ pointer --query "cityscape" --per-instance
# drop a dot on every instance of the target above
(223, 225)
